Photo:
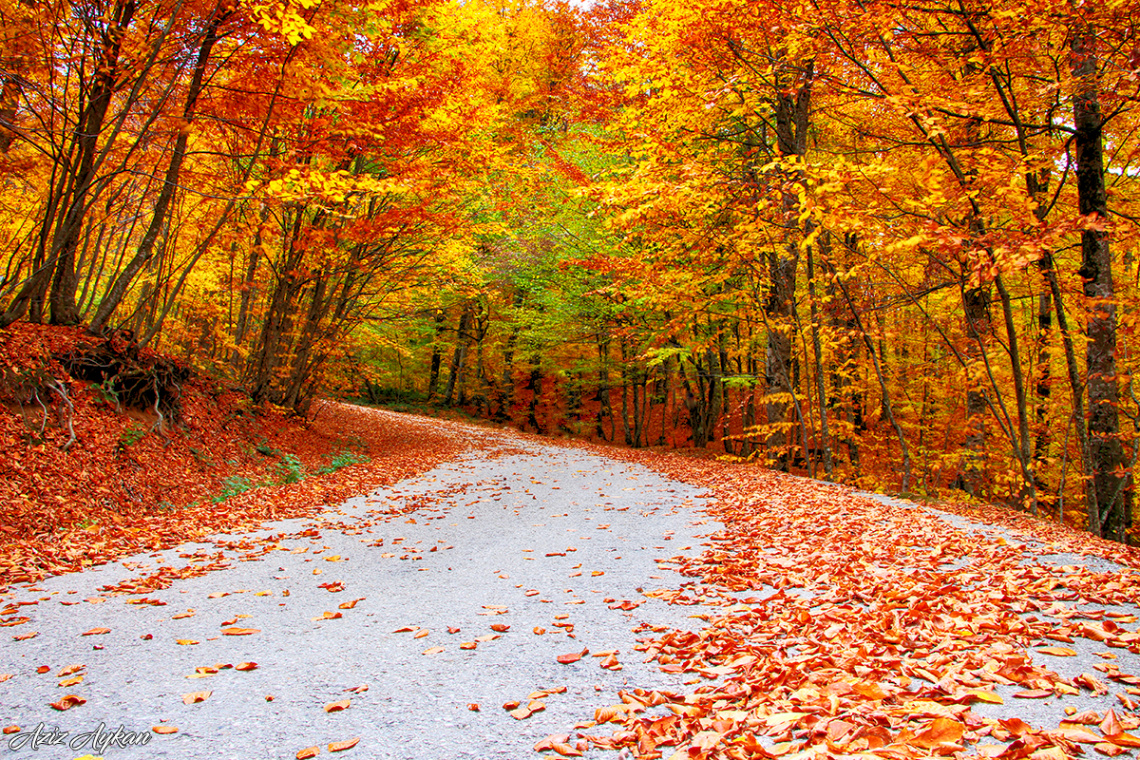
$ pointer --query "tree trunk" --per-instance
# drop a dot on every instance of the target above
(1106, 453)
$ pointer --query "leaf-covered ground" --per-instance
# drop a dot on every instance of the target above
(125, 486)
(841, 624)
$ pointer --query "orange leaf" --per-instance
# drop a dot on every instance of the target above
(165, 730)
(1123, 740)
(68, 702)
(434, 650)
(342, 746)
(96, 632)
(240, 631)
(1058, 651)
(572, 657)
(308, 752)
(473, 706)
(565, 750)
(246, 666)
(941, 731)
(500, 627)
(986, 696)
(195, 697)
(338, 706)
(421, 633)
(1111, 724)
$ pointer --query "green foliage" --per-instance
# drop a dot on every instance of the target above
(290, 469)
(344, 459)
(105, 393)
(131, 436)
(232, 487)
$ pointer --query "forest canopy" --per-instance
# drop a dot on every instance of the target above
(890, 244)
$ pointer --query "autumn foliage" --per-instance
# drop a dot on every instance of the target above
(886, 245)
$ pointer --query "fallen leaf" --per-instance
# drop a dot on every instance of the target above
(1123, 740)
(473, 706)
(342, 746)
(1058, 651)
(421, 633)
(500, 627)
(343, 704)
(572, 657)
(434, 650)
(308, 752)
(195, 696)
(243, 666)
(941, 731)
(240, 631)
(164, 729)
(96, 632)
(986, 696)
(186, 642)
(69, 701)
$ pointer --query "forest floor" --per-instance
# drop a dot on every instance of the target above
(479, 593)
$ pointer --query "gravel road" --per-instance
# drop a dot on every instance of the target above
(523, 535)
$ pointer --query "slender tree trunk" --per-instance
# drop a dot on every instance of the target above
(1021, 449)
(817, 352)
(459, 357)
(440, 320)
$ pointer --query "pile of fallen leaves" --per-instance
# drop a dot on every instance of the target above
(837, 625)
(84, 480)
